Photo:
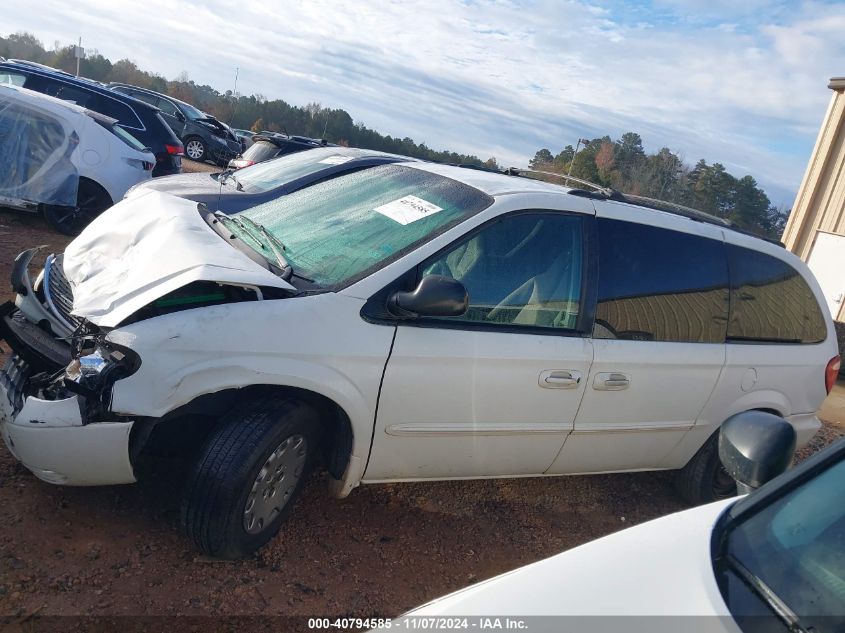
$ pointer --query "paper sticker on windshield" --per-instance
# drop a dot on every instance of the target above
(408, 209)
(337, 159)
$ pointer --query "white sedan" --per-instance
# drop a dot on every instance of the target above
(771, 561)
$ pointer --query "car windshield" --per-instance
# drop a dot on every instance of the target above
(796, 547)
(280, 171)
(338, 231)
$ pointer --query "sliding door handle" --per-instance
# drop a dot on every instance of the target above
(559, 379)
(611, 381)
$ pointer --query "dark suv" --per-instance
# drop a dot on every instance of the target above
(205, 137)
(143, 121)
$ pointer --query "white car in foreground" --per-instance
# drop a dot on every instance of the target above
(773, 561)
(63, 160)
(409, 321)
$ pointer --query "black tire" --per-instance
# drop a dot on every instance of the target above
(91, 201)
(226, 473)
(703, 479)
(195, 149)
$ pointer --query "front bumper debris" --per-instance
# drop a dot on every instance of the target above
(51, 438)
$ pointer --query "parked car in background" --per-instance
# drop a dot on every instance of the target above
(231, 192)
(245, 137)
(267, 146)
(408, 321)
(141, 120)
(770, 562)
(205, 138)
(63, 160)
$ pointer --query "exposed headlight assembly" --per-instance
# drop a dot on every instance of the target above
(96, 365)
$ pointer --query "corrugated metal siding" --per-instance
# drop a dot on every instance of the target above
(820, 203)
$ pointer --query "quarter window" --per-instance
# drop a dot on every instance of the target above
(770, 301)
(167, 107)
(13, 79)
(524, 270)
(115, 110)
(660, 285)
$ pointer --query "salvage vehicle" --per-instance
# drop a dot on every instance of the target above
(770, 561)
(141, 120)
(64, 161)
(231, 192)
(205, 138)
(245, 137)
(406, 322)
(267, 146)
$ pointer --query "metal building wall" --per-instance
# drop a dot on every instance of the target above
(820, 204)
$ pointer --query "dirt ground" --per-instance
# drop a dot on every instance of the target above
(118, 551)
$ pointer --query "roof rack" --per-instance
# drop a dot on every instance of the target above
(607, 193)
(604, 192)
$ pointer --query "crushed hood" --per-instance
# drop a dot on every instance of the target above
(146, 247)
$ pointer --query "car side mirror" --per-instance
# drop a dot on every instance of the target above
(755, 447)
(180, 116)
(435, 296)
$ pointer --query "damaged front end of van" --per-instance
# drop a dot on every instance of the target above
(66, 338)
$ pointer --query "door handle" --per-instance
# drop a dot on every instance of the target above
(611, 381)
(559, 378)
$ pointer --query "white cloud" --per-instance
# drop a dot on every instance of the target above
(741, 83)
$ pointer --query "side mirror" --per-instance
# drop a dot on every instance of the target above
(435, 296)
(755, 447)
(180, 116)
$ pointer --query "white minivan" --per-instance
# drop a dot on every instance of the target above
(403, 322)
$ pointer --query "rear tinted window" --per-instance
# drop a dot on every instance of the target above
(770, 301)
(13, 78)
(143, 96)
(261, 151)
(87, 99)
(285, 169)
(660, 285)
(114, 109)
(167, 107)
(122, 134)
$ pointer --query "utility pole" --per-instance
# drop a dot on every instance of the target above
(78, 53)
(577, 145)
(235, 95)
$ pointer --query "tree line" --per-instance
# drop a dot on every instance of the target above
(622, 164)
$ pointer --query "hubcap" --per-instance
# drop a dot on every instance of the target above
(194, 149)
(275, 483)
(724, 486)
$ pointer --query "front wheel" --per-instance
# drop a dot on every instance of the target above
(195, 149)
(704, 479)
(91, 201)
(248, 476)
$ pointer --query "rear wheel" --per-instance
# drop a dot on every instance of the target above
(248, 477)
(704, 479)
(91, 201)
(195, 149)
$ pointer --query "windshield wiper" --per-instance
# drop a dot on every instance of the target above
(225, 175)
(758, 586)
(276, 246)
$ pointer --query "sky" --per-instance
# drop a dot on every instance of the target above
(741, 82)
